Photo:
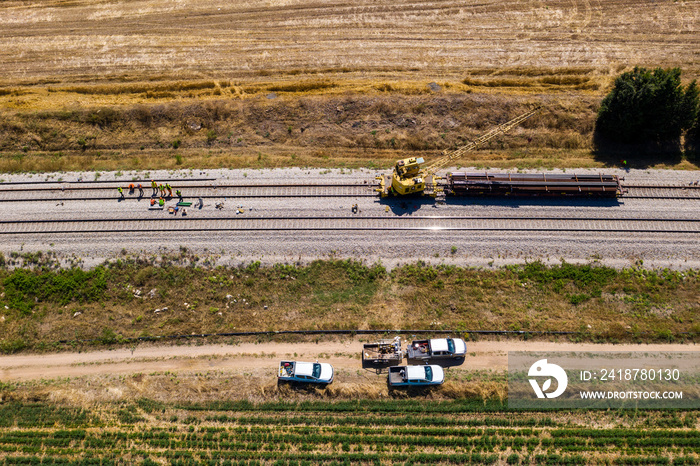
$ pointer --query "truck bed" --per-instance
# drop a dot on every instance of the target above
(396, 376)
(418, 351)
(382, 354)
(286, 369)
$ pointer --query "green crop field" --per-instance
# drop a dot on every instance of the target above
(352, 432)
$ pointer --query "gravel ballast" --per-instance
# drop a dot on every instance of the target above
(464, 248)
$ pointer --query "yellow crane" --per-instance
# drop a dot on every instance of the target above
(412, 176)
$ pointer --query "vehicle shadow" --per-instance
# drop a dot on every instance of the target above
(411, 392)
(300, 387)
(410, 206)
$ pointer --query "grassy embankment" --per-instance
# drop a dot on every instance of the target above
(351, 432)
(310, 122)
(119, 301)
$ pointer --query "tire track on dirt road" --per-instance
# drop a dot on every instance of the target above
(262, 358)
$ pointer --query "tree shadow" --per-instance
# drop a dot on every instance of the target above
(640, 156)
(692, 149)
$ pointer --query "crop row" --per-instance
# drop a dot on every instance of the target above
(35, 442)
(277, 459)
(370, 420)
(401, 407)
(40, 415)
(391, 435)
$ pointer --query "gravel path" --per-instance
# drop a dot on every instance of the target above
(391, 248)
(264, 357)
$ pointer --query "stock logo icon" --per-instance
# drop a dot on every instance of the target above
(542, 368)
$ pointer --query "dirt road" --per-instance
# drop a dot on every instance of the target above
(261, 358)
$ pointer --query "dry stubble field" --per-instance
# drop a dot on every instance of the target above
(165, 83)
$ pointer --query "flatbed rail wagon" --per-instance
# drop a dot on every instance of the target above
(539, 184)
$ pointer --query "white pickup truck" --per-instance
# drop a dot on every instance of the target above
(443, 351)
(415, 376)
(305, 372)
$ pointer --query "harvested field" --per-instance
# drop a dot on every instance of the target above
(155, 83)
(83, 41)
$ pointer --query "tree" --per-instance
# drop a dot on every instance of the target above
(692, 141)
(647, 107)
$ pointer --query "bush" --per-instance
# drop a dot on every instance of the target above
(24, 288)
(647, 107)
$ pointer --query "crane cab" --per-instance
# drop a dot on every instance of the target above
(408, 168)
(407, 178)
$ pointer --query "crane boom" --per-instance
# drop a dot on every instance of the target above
(411, 176)
(457, 153)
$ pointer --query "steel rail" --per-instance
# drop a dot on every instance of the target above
(5, 183)
(659, 186)
(187, 198)
(147, 186)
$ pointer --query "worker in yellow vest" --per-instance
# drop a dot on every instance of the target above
(121, 192)
(154, 185)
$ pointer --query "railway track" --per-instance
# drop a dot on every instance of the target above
(209, 191)
(662, 192)
(352, 223)
(88, 191)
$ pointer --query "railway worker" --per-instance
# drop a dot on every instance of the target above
(140, 190)
(179, 194)
(131, 188)
(161, 188)
(170, 189)
(121, 192)
(161, 202)
(154, 186)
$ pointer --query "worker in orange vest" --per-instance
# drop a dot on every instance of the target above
(140, 190)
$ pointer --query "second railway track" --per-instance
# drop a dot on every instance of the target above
(351, 223)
